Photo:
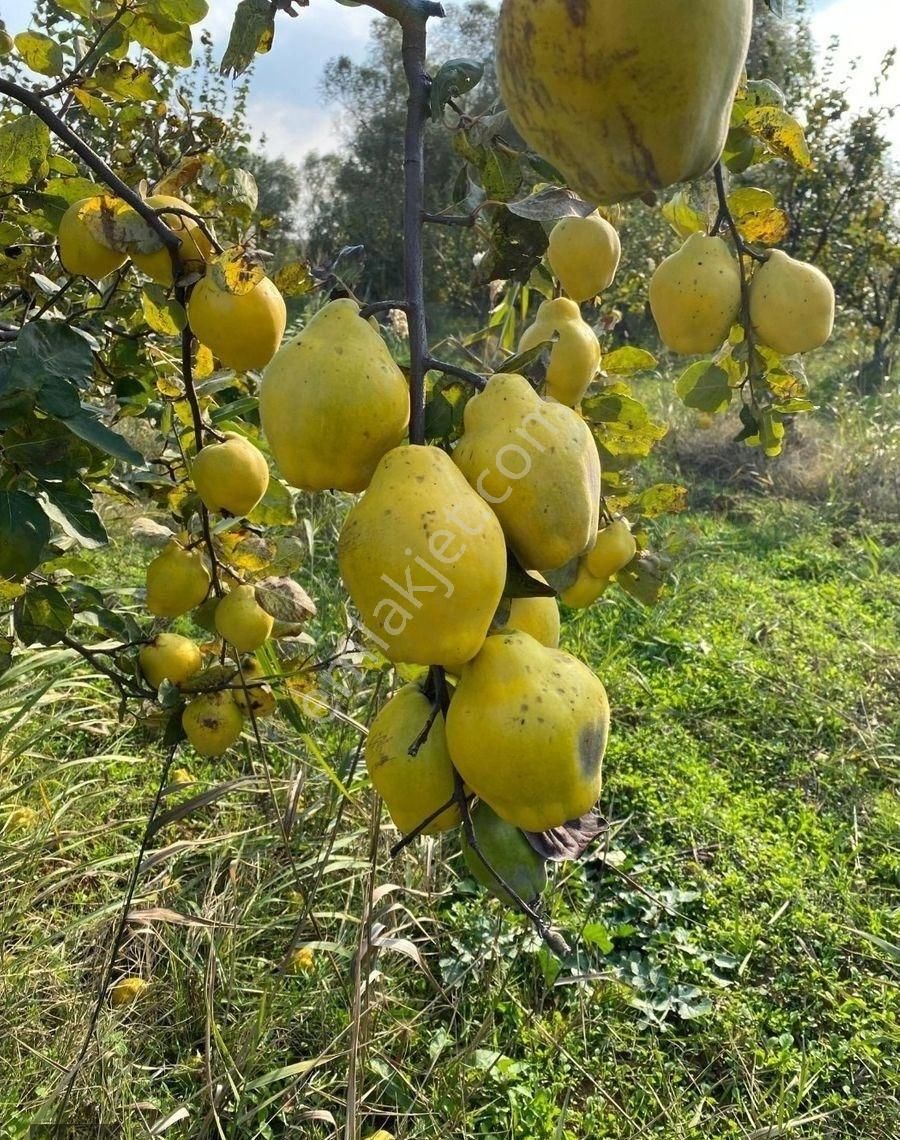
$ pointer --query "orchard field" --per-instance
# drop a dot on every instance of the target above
(237, 900)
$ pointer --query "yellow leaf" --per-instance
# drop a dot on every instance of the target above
(204, 364)
(781, 133)
(758, 217)
(684, 218)
(237, 270)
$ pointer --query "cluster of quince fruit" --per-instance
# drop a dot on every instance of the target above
(230, 476)
(425, 553)
(97, 235)
(696, 296)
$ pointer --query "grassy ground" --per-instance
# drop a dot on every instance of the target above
(738, 936)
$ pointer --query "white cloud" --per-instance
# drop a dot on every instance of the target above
(290, 131)
(865, 30)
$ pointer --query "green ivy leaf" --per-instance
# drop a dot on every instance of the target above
(41, 53)
(24, 532)
(704, 386)
(24, 149)
(252, 33)
(41, 616)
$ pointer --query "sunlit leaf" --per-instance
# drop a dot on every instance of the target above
(550, 203)
(40, 52)
(24, 148)
(252, 33)
(235, 271)
(705, 387)
(162, 313)
(757, 215)
(294, 279)
(684, 218)
(629, 359)
(781, 133)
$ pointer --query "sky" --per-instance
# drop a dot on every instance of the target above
(285, 105)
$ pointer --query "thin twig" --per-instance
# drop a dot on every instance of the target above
(382, 307)
(474, 378)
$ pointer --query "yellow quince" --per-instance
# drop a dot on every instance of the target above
(212, 722)
(411, 785)
(333, 402)
(584, 255)
(243, 330)
(623, 96)
(169, 657)
(791, 304)
(695, 295)
(527, 730)
(242, 621)
(231, 476)
(536, 463)
(424, 560)
(177, 580)
(575, 355)
(79, 251)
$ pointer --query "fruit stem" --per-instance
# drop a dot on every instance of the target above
(742, 248)
(473, 378)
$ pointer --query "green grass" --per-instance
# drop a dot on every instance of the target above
(737, 936)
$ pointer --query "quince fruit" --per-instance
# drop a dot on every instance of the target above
(614, 547)
(242, 621)
(412, 786)
(536, 463)
(258, 697)
(195, 245)
(585, 590)
(232, 476)
(791, 304)
(79, 251)
(623, 97)
(333, 402)
(527, 730)
(584, 255)
(537, 616)
(126, 991)
(243, 330)
(695, 295)
(169, 657)
(509, 854)
(575, 355)
(177, 580)
(424, 560)
(212, 722)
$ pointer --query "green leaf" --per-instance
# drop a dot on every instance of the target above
(58, 398)
(276, 507)
(704, 386)
(438, 417)
(76, 7)
(53, 348)
(92, 430)
(644, 578)
(549, 204)
(41, 616)
(239, 189)
(163, 314)
(520, 584)
(181, 11)
(24, 148)
(124, 82)
(660, 499)
(167, 39)
(757, 215)
(624, 361)
(92, 104)
(41, 53)
(622, 425)
(252, 33)
(71, 506)
(453, 78)
(6, 648)
(294, 279)
(24, 532)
